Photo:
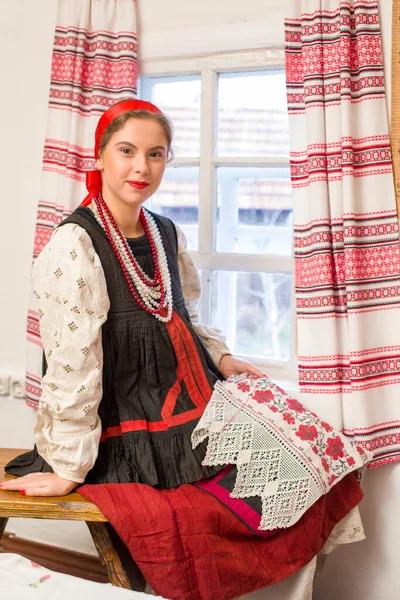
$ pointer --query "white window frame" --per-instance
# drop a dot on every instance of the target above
(206, 258)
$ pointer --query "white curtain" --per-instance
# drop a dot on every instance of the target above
(347, 252)
(93, 65)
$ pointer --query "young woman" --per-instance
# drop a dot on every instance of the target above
(115, 327)
(129, 369)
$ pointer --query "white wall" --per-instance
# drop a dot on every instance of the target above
(27, 30)
(168, 29)
(368, 570)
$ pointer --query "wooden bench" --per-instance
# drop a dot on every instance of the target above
(113, 554)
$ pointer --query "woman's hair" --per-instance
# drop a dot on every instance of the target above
(120, 121)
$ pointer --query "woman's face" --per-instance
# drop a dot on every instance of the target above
(133, 162)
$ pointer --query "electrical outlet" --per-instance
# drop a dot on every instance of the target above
(4, 385)
(17, 387)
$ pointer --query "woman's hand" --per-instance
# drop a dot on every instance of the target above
(40, 484)
(230, 365)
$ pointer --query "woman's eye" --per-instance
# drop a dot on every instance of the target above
(126, 150)
(156, 154)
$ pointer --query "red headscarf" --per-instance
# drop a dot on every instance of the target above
(93, 178)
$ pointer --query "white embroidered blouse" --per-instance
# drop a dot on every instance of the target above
(73, 303)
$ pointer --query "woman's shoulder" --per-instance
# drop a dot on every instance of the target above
(69, 242)
(67, 235)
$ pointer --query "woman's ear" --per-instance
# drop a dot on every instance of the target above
(99, 163)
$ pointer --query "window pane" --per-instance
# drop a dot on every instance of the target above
(252, 114)
(254, 211)
(254, 311)
(180, 100)
(178, 198)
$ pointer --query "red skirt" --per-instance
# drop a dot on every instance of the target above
(189, 546)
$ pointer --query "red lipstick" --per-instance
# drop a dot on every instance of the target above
(139, 185)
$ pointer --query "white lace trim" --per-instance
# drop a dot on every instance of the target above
(273, 462)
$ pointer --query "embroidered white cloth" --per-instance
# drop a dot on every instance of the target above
(21, 579)
(284, 453)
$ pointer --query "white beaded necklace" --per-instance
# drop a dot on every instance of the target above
(153, 295)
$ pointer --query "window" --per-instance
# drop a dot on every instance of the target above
(228, 188)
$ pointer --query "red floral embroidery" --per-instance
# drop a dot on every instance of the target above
(243, 386)
(326, 426)
(307, 432)
(262, 396)
(288, 418)
(332, 457)
(295, 405)
(335, 448)
(324, 463)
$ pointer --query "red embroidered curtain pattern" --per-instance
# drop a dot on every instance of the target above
(93, 65)
(346, 241)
